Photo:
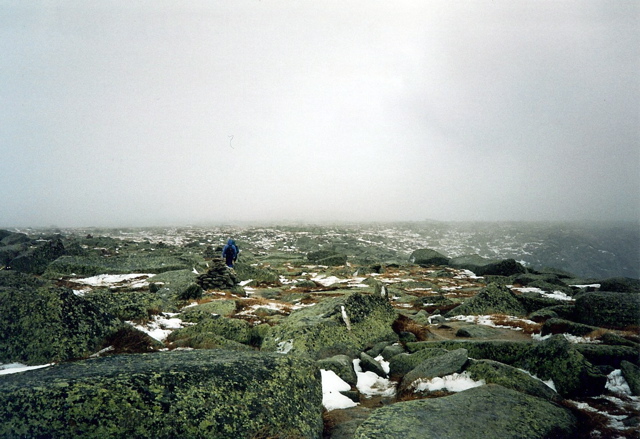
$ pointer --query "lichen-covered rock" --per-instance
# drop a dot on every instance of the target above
(38, 256)
(561, 326)
(129, 305)
(601, 354)
(557, 359)
(342, 365)
(510, 377)
(321, 331)
(177, 285)
(506, 267)
(608, 309)
(231, 329)
(554, 358)
(195, 394)
(488, 412)
(494, 299)
(327, 257)
(94, 265)
(427, 256)
(442, 365)
(402, 363)
(631, 373)
(261, 276)
(471, 262)
(370, 364)
(45, 324)
(620, 285)
(477, 331)
(223, 307)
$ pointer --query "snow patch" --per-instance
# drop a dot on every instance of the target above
(457, 382)
(332, 385)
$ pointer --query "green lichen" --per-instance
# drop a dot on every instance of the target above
(196, 394)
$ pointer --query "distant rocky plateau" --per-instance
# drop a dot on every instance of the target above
(426, 330)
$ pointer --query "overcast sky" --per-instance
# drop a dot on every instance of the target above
(163, 112)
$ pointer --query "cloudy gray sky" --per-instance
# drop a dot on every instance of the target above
(166, 112)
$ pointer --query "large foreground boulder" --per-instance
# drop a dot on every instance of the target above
(490, 411)
(194, 394)
(322, 331)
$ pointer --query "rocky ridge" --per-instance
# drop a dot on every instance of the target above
(410, 323)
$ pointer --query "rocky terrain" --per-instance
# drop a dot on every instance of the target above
(335, 332)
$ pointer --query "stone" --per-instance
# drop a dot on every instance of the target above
(427, 256)
(475, 413)
(201, 393)
(320, 330)
(511, 378)
(561, 326)
(47, 324)
(402, 363)
(488, 267)
(601, 354)
(608, 309)
(232, 329)
(219, 277)
(494, 299)
(442, 365)
(477, 331)
(223, 307)
(620, 285)
(342, 365)
(36, 259)
(392, 350)
(369, 364)
(68, 265)
(327, 257)
(631, 373)
(557, 359)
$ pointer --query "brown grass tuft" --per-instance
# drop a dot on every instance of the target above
(527, 328)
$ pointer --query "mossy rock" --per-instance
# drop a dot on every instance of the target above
(439, 366)
(543, 315)
(231, 329)
(94, 265)
(178, 285)
(245, 271)
(36, 259)
(561, 326)
(342, 365)
(608, 309)
(320, 331)
(327, 257)
(195, 394)
(601, 354)
(533, 302)
(404, 362)
(129, 305)
(620, 285)
(43, 325)
(427, 256)
(223, 307)
(475, 413)
(557, 359)
(507, 352)
(209, 340)
(510, 377)
(494, 299)
(631, 373)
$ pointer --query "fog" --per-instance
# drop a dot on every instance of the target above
(160, 112)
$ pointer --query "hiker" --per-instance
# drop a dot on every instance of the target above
(230, 253)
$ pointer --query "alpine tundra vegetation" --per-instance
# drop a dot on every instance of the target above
(345, 331)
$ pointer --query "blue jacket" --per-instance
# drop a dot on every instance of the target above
(232, 249)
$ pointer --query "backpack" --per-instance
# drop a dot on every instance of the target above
(230, 251)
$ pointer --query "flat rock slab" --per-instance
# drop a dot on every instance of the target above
(487, 412)
(203, 393)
